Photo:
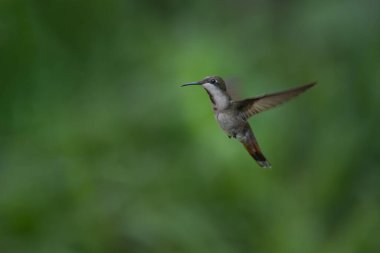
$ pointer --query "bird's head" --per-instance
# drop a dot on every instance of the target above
(210, 83)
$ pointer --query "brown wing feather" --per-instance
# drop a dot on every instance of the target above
(251, 106)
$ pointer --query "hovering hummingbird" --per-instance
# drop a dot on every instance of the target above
(232, 116)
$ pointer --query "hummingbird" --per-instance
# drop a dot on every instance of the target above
(233, 116)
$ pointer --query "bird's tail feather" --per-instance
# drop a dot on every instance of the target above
(254, 150)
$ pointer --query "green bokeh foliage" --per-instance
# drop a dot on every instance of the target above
(101, 151)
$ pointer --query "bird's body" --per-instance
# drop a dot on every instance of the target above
(230, 121)
(232, 116)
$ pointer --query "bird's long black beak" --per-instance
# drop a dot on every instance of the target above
(193, 83)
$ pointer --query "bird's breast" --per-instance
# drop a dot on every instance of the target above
(228, 121)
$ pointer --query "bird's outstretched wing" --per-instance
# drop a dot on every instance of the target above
(251, 106)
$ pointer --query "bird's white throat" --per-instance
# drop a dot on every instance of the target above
(220, 97)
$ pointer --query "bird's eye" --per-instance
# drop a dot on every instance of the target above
(212, 81)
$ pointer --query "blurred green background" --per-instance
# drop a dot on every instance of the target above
(101, 151)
